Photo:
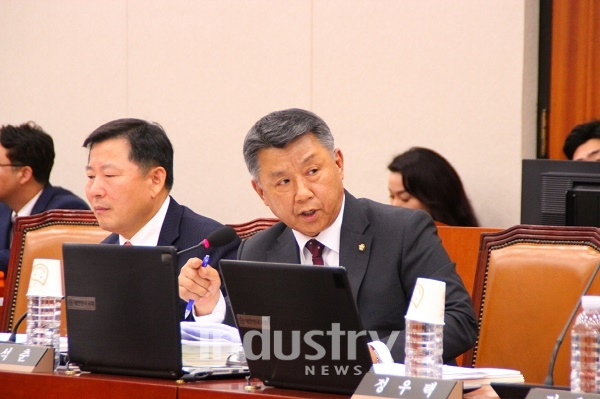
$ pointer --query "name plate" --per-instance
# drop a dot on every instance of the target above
(549, 393)
(393, 386)
(26, 358)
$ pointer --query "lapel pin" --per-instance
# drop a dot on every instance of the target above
(361, 247)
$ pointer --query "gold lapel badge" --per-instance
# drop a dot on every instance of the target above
(361, 247)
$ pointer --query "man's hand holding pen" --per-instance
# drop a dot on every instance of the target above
(199, 282)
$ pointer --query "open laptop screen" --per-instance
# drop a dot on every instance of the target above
(123, 309)
(299, 325)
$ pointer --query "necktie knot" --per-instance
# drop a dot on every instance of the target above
(127, 243)
(316, 250)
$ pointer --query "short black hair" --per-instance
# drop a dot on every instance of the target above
(149, 143)
(579, 135)
(29, 145)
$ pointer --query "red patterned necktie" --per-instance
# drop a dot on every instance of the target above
(127, 243)
(316, 249)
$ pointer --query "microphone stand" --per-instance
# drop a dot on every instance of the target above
(13, 334)
(550, 375)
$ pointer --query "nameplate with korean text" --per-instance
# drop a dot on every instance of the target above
(26, 358)
(390, 386)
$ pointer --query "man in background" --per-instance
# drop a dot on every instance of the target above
(26, 160)
(130, 176)
(583, 143)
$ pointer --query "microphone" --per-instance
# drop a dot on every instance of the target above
(218, 238)
(550, 375)
(13, 334)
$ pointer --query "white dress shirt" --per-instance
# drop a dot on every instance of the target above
(148, 236)
(330, 238)
(27, 208)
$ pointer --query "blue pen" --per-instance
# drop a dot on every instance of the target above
(190, 304)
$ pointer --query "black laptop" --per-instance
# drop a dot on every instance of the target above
(123, 309)
(299, 325)
(123, 312)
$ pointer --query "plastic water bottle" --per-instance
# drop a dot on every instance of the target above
(423, 349)
(585, 347)
(43, 323)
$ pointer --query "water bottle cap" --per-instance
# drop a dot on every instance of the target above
(428, 301)
(590, 302)
(46, 278)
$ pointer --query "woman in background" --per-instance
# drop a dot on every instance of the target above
(422, 179)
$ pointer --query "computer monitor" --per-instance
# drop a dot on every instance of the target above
(559, 193)
(583, 206)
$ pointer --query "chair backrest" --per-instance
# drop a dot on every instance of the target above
(42, 236)
(248, 229)
(462, 245)
(528, 280)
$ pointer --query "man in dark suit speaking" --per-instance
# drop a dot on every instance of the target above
(26, 160)
(298, 173)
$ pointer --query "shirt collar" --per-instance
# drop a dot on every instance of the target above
(330, 237)
(28, 208)
(148, 235)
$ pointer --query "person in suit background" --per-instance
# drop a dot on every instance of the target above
(26, 160)
(130, 176)
(298, 174)
(583, 143)
(421, 178)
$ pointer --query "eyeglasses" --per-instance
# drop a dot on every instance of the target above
(15, 165)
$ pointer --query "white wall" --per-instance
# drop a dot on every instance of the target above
(457, 76)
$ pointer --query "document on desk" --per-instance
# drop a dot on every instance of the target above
(482, 376)
(208, 344)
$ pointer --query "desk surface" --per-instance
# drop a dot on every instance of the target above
(92, 386)
(235, 389)
(102, 386)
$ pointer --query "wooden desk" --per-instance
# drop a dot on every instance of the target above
(485, 392)
(89, 386)
(102, 386)
(234, 389)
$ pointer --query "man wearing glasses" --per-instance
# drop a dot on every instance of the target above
(26, 160)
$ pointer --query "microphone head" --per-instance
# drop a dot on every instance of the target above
(220, 237)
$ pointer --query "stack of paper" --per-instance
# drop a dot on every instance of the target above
(482, 375)
(472, 375)
(208, 344)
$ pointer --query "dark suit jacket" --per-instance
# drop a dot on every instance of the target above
(400, 246)
(182, 229)
(51, 198)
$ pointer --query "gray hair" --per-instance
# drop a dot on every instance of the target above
(278, 129)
